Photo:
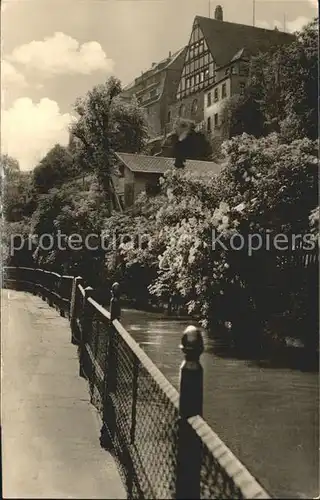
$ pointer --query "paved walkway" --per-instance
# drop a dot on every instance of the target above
(50, 432)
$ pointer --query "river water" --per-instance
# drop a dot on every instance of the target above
(267, 415)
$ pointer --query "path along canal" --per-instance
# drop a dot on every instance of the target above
(267, 415)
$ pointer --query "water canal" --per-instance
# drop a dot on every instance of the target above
(267, 415)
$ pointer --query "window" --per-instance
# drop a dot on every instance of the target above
(209, 99)
(209, 124)
(216, 120)
(243, 69)
(242, 87)
(224, 90)
(153, 93)
(182, 110)
(216, 94)
(194, 107)
(169, 117)
(199, 65)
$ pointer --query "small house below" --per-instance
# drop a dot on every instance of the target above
(141, 173)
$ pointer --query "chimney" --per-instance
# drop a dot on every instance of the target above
(169, 53)
(153, 64)
(218, 13)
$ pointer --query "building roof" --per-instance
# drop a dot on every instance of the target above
(159, 66)
(225, 39)
(159, 164)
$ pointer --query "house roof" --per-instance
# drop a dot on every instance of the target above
(159, 164)
(225, 39)
(159, 66)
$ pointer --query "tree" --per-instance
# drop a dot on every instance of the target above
(16, 187)
(242, 114)
(186, 143)
(9, 166)
(266, 187)
(10, 170)
(301, 85)
(281, 93)
(60, 214)
(53, 169)
(106, 124)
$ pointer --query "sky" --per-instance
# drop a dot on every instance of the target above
(53, 51)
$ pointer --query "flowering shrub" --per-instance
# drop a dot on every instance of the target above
(265, 186)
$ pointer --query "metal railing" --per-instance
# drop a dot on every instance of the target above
(163, 447)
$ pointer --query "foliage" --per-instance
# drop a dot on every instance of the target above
(242, 114)
(12, 235)
(281, 93)
(9, 166)
(300, 86)
(106, 124)
(67, 212)
(16, 190)
(53, 169)
(186, 143)
(266, 187)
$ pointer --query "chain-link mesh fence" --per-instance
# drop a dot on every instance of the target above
(139, 408)
(140, 413)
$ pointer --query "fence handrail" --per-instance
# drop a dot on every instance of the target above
(46, 271)
(243, 479)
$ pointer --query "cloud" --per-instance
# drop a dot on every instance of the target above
(269, 26)
(29, 130)
(11, 76)
(291, 26)
(297, 24)
(62, 54)
(11, 79)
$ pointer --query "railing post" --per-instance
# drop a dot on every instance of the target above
(86, 325)
(60, 293)
(74, 308)
(115, 313)
(115, 308)
(110, 373)
(49, 286)
(41, 290)
(190, 405)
